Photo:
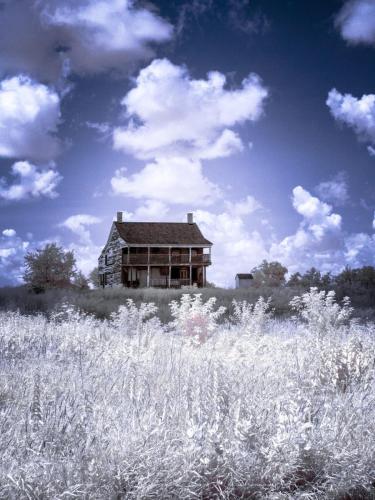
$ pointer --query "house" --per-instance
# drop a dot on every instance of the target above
(244, 280)
(154, 254)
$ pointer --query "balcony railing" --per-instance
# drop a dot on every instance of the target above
(163, 259)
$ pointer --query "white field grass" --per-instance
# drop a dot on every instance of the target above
(254, 408)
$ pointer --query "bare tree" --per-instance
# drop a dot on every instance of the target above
(80, 281)
(94, 277)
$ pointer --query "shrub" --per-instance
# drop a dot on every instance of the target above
(321, 311)
(133, 320)
(195, 319)
(251, 318)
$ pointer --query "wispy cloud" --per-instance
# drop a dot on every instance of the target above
(335, 190)
(356, 21)
(240, 15)
(78, 223)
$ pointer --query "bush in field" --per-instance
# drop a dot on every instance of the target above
(344, 365)
(194, 318)
(251, 318)
(321, 311)
(133, 320)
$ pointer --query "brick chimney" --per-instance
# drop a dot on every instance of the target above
(190, 218)
(119, 216)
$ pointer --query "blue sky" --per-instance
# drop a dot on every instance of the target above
(257, 115)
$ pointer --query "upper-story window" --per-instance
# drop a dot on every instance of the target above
(109, 259)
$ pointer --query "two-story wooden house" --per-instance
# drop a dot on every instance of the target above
(154, 254)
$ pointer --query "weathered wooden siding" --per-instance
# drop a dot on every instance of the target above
(112, 269)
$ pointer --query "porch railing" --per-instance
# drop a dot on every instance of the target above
(166, 283)
(163, 259)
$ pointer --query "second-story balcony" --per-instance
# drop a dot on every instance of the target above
(165, 259)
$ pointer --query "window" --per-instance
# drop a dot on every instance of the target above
(103, 279)
(109, 259)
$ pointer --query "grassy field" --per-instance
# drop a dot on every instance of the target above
(206, 406)
(103, 302)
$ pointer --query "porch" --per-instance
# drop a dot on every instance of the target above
(163, 276)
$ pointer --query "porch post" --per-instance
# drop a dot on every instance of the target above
(204, 276)
(169, 267)
(189, 255)
(190, 280)
(128, 257)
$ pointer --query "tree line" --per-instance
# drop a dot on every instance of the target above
(54, 267)
(358, 284)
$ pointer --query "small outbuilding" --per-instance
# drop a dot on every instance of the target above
(244, 280)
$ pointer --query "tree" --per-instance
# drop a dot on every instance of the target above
(94, 277)
(358, 284)
(269, 274)
(80, 281)
(311, 278)
(49, 267)
(295, 279)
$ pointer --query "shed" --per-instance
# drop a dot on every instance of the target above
(244, 280)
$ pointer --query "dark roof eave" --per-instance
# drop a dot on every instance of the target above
(161, 233)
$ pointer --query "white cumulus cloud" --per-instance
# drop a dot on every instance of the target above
(78, 225)
(169, 180)
(151, 210)
(356, 21)
(171, 114)
(29, 115)
(33, 182)
(320, 241)
(317, 214)
(9, 233)
(356, 113)
(89, 36)
(12, 252)
(236, 249)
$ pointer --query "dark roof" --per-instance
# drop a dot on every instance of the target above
(161, 233)
(243, 276)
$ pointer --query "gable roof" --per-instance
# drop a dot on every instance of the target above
(244, 276)
(161, 233)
